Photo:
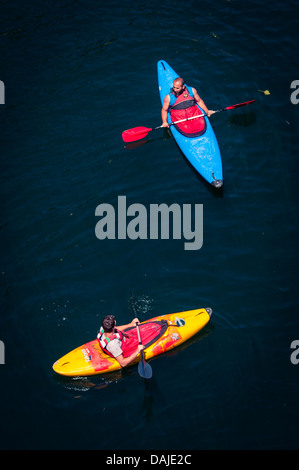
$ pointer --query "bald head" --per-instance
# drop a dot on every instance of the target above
(178, 86)
(179, 81)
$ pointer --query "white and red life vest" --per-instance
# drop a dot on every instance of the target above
(104, 340)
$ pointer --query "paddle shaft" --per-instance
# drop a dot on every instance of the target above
(146, 370)
(145, 131)
(182, 120)
(139, 339)
(137, 326)
(205, 114)
(130, 134)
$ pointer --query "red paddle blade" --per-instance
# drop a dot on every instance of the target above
(240, 104)
(136, 133)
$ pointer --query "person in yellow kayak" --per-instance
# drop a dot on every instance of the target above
(181, 102)
(116, 343)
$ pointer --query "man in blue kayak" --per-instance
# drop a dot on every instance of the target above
(181, 102)
(116, 343)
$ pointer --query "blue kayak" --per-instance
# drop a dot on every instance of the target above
(203, 151)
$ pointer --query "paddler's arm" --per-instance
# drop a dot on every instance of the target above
(201, 103)
(124, 361)
(129, 325)
(164, 111)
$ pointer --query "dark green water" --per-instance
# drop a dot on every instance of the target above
(76, 75)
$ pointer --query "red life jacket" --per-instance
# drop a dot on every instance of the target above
(185, 107)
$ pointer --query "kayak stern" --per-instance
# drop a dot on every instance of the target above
(209, 311)
(216, 183)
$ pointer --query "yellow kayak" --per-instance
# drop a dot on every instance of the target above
(172, 330)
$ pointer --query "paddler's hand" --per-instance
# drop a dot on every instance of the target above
(210, 112)
(165, 124)
(140, 347)
(134, 322)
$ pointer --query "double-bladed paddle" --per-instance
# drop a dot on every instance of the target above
(138, 133)
(144, 369)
